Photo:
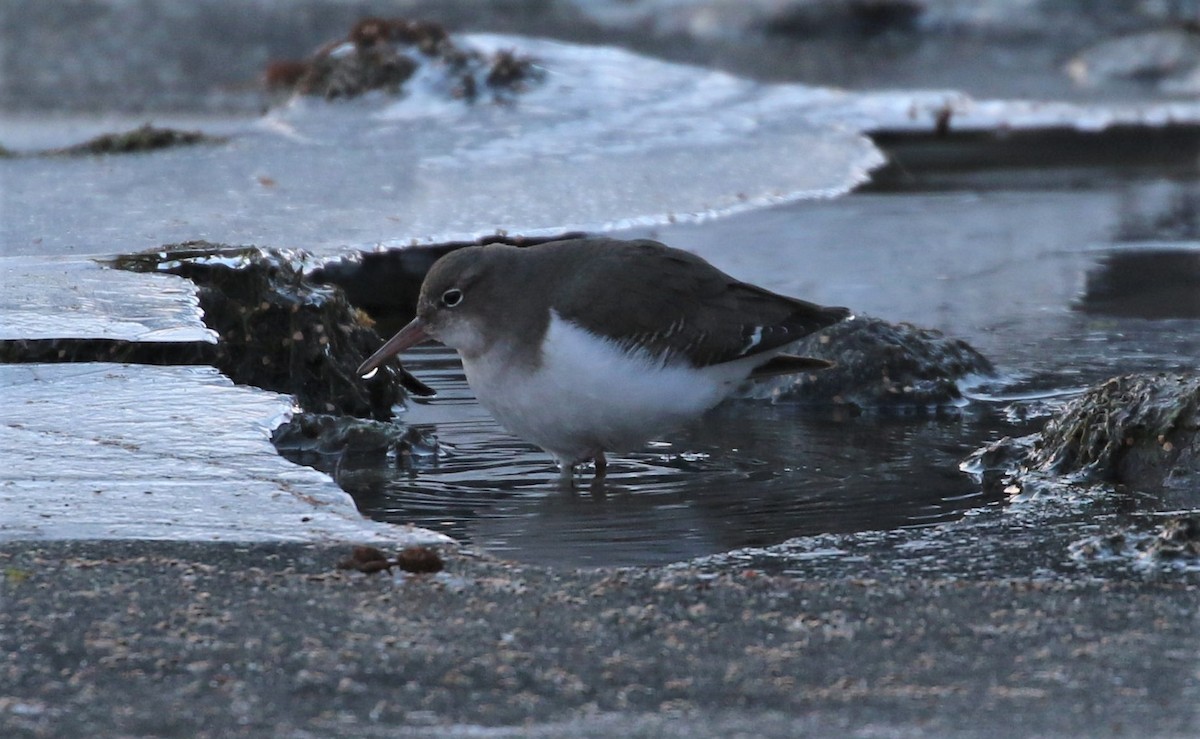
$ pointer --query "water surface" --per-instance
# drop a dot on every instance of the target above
(1018, 270)
(749, 473)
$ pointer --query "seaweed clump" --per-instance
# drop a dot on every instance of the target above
(1139, 430)
(279, 331)
(323, 441)
(385, 53)
(1129, 428)
(880, 366)
(143, 138)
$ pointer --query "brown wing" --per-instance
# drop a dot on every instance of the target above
(671, 302)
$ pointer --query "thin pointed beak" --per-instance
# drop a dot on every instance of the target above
(410, 335)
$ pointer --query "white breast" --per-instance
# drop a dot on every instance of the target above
(588, 396)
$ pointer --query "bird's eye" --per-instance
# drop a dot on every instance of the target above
(452, 297)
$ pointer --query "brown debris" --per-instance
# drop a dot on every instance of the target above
(365, 559)
(421, 560)
(417, 560)
(384, 53)
(507, 69)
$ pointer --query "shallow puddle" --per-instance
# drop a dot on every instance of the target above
(1019, 271)
(750, 473)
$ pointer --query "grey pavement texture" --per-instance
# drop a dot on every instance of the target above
(180, 639)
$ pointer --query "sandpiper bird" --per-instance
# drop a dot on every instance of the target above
(594, 345)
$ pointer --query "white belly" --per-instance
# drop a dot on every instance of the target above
(587, 396)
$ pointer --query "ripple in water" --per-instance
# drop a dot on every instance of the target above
(748, 474)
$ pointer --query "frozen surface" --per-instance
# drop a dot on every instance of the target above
(609, 140)
(99, 451)
(78, 299)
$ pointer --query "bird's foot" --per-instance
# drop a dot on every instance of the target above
(566, 473)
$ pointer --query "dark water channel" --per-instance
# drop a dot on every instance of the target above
(1063, 277)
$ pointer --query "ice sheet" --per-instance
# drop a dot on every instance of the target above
(97, 451)
(78, 299)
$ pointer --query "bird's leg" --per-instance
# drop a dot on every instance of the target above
(597, 487)
(566, 475)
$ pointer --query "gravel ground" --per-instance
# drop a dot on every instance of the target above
(179, 639)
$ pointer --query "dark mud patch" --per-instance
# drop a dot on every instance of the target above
(279, 331)
(1153, 269)
(386, 53)
(1139, 431)
(886, 366)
